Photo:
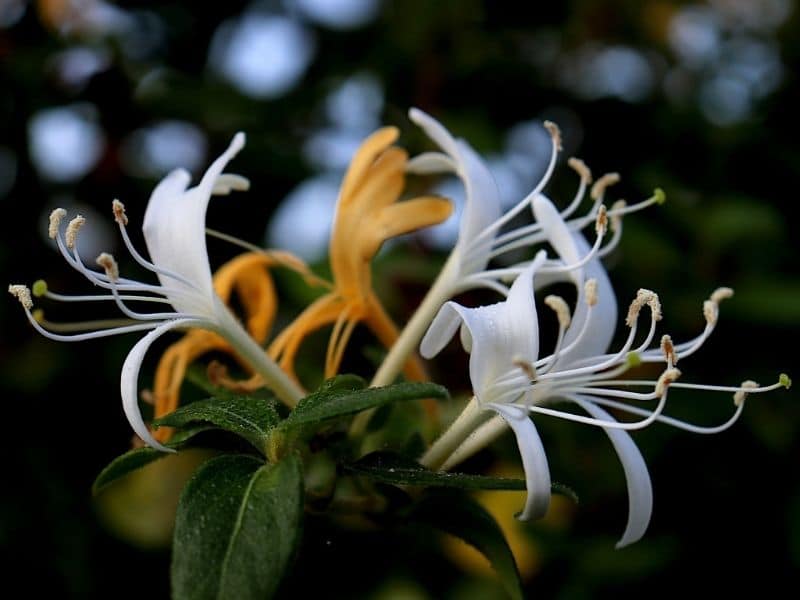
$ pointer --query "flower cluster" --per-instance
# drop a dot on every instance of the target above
(510, 377)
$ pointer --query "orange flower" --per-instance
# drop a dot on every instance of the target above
(367, 215)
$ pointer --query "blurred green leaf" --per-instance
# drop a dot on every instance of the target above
(461, 516)
(246, 416)
(237, 528)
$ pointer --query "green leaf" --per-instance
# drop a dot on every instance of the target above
(246, 416)
(237, 528)
(342, 398)
(461, 516)
(388, 467)
(139, 457)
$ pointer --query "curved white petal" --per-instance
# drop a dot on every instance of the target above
(440, 331)
(640, 490)
(174, 230)
(129, 380)
(571, 247)
(534, 460)
(502, 334)
(430, 163)
(482, 205)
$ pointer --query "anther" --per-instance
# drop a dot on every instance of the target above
(526, 366)
(590, 291)
(108, 263)
(72, 231)
(23, 294)
(721, 294)
(616, 219)
(667, 377)
(601, 224)
(55, 222)
(581, 169)
(668, 349)
(741, 395)
(555, 133)
(560, 307)
(119, 212)
(600, 186)
(710, 312)
(39, 288)
(644, 296)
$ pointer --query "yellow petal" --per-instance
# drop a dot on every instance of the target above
(369, 150)
(404, 217)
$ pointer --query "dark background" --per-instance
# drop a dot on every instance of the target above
(699, 98)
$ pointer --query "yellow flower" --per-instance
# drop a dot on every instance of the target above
(367, 215)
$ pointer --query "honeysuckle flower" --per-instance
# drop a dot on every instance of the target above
(174, 232)
(249, 278)
(367, 214)
(509, 378)
(481, 237)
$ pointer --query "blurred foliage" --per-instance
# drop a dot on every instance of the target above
(724, 504)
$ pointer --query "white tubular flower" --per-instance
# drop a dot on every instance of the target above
(174, 231)
(481, 237)
(509, 378)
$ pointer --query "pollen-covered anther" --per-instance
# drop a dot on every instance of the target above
(119, 212)
(601, 223)
(600, 186)
(590, 291)
(526, 366)
(581, 169)
(741, 395)
(72, 231)
(616, 219)
(108, 263)
(643, 297)
(55, 222)
(721, 294)
(668, 348)
(667, 377)
(23, 294)
(555, 133)
(561, 308)
(710, 312)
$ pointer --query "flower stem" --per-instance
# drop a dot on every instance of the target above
(450, 440)
(409, 339)
(284, 387)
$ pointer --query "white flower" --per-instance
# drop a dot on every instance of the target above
(481, 237)
(509, 378)
(175, 234)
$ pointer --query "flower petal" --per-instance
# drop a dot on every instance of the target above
(482, 205)
(129, 379)
(430, 163)
(640, 490)
(441, 330)
(174, 230)
(571, 247)
(534, 460)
